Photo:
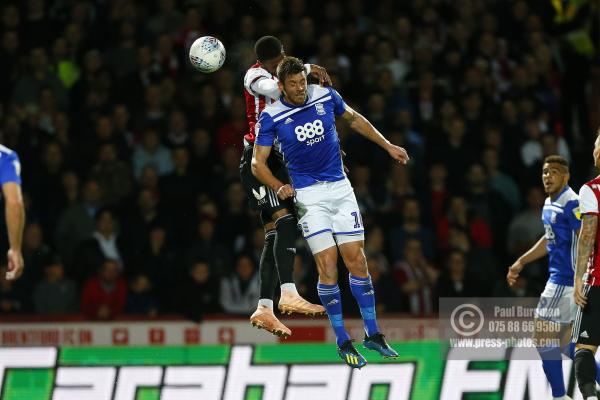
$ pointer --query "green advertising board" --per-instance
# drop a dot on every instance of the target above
(260, 372)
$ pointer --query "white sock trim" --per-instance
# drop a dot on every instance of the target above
(266, 303)
(289, 287)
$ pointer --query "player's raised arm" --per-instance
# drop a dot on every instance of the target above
(318, 72)
(365, 128)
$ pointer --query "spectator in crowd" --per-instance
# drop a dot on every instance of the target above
(55, 294)
(361, 182)
(439, 193)
(140, 297)
(113, 175)
(526, 227)
(77, 222)
(151, 152)
(240, 290)
(27, 89)
(200, 293)
(417, 278)
(459, 216)
(159, 262)
(36, 254)
(144, 215)
(103, 243)
(411, 227)
(177, 192)
(456, 280)
(12, 299)
(104, 296)
(44, 182)
(374, 248)
(500, 182)
(207, 246)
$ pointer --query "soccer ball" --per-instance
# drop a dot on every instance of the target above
(207, 54)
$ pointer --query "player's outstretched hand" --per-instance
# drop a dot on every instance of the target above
(513, 272)
(15, 265)
(285, 192)
(321, 74)
(398, 153)
(580, 298)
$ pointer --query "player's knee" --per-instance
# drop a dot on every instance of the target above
(357, 263)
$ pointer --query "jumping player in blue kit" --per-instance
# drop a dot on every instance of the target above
(302, 124)
(10, 179)
(562, 221)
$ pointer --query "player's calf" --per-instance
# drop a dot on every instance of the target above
(585, 371)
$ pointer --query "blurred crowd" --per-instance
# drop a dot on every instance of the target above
(130, 157)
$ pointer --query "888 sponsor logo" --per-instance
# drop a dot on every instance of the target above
(308, 131)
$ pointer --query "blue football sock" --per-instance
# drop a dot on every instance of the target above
(332, 301)
(363, 292)
(552, 365)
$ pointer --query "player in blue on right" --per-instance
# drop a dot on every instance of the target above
(561, 220)
(302, 124)
(10, 179)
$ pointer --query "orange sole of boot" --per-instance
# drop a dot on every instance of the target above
(289, 310)
(276, 332)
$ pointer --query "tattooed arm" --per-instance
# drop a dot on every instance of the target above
(585, 246)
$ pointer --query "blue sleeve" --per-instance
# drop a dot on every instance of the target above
(265, 130)
(573, 214)
(339, 106)
(10, 168)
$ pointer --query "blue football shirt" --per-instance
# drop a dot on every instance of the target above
(10, 166)
(561, 220)
(306, 135)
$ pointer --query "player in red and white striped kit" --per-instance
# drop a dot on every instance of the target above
(586, 328)
(277, 259)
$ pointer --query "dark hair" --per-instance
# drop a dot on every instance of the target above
(289, 66)
(104, 210)
(267, 48)
(554, 159)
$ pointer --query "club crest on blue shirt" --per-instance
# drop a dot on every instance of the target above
(320, 109)
(305, 227)
(553, 217)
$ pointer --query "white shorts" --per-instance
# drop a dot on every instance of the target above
(556, 304)
(329, 214)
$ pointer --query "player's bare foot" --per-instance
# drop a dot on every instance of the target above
(263, 318)
(291, 302)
